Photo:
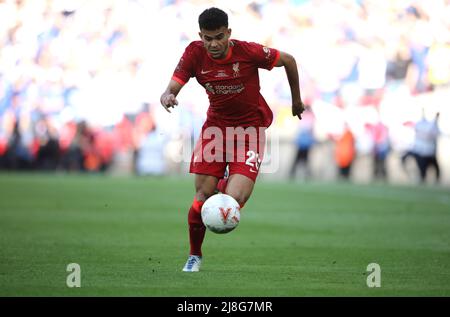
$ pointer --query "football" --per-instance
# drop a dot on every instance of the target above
(221, 213)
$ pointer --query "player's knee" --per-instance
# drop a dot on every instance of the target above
(203, 195)
(240, 198)
(205, 187)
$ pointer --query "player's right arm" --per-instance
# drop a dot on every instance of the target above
(181, 75)
(168, 98)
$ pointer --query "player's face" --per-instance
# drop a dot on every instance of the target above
(216, 42)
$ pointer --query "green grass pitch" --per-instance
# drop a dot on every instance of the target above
(129, 236)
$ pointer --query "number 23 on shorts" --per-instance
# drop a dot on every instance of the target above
(254, 161)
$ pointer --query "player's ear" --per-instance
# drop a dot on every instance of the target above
(200, 34)
(229, 32)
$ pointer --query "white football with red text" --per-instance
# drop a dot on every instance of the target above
(221, 213)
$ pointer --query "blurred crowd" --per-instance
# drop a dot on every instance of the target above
(80, 80)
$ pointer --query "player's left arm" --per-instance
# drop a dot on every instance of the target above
(290, 65)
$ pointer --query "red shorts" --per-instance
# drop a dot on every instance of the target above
(242, 149)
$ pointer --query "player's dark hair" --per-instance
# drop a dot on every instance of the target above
(212, 19)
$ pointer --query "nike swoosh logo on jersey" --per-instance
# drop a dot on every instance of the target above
(205, 72)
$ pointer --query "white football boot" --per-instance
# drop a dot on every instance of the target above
(193, 264)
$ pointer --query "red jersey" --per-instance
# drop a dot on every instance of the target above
(232, 83)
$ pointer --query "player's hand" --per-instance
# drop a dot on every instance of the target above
(298, 108)
(168, 101)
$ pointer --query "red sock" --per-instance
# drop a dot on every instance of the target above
(196, 228)
(222, 184)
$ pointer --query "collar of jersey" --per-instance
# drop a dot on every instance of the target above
(226, 58)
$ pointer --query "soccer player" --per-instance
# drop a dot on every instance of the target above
(228, 70)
